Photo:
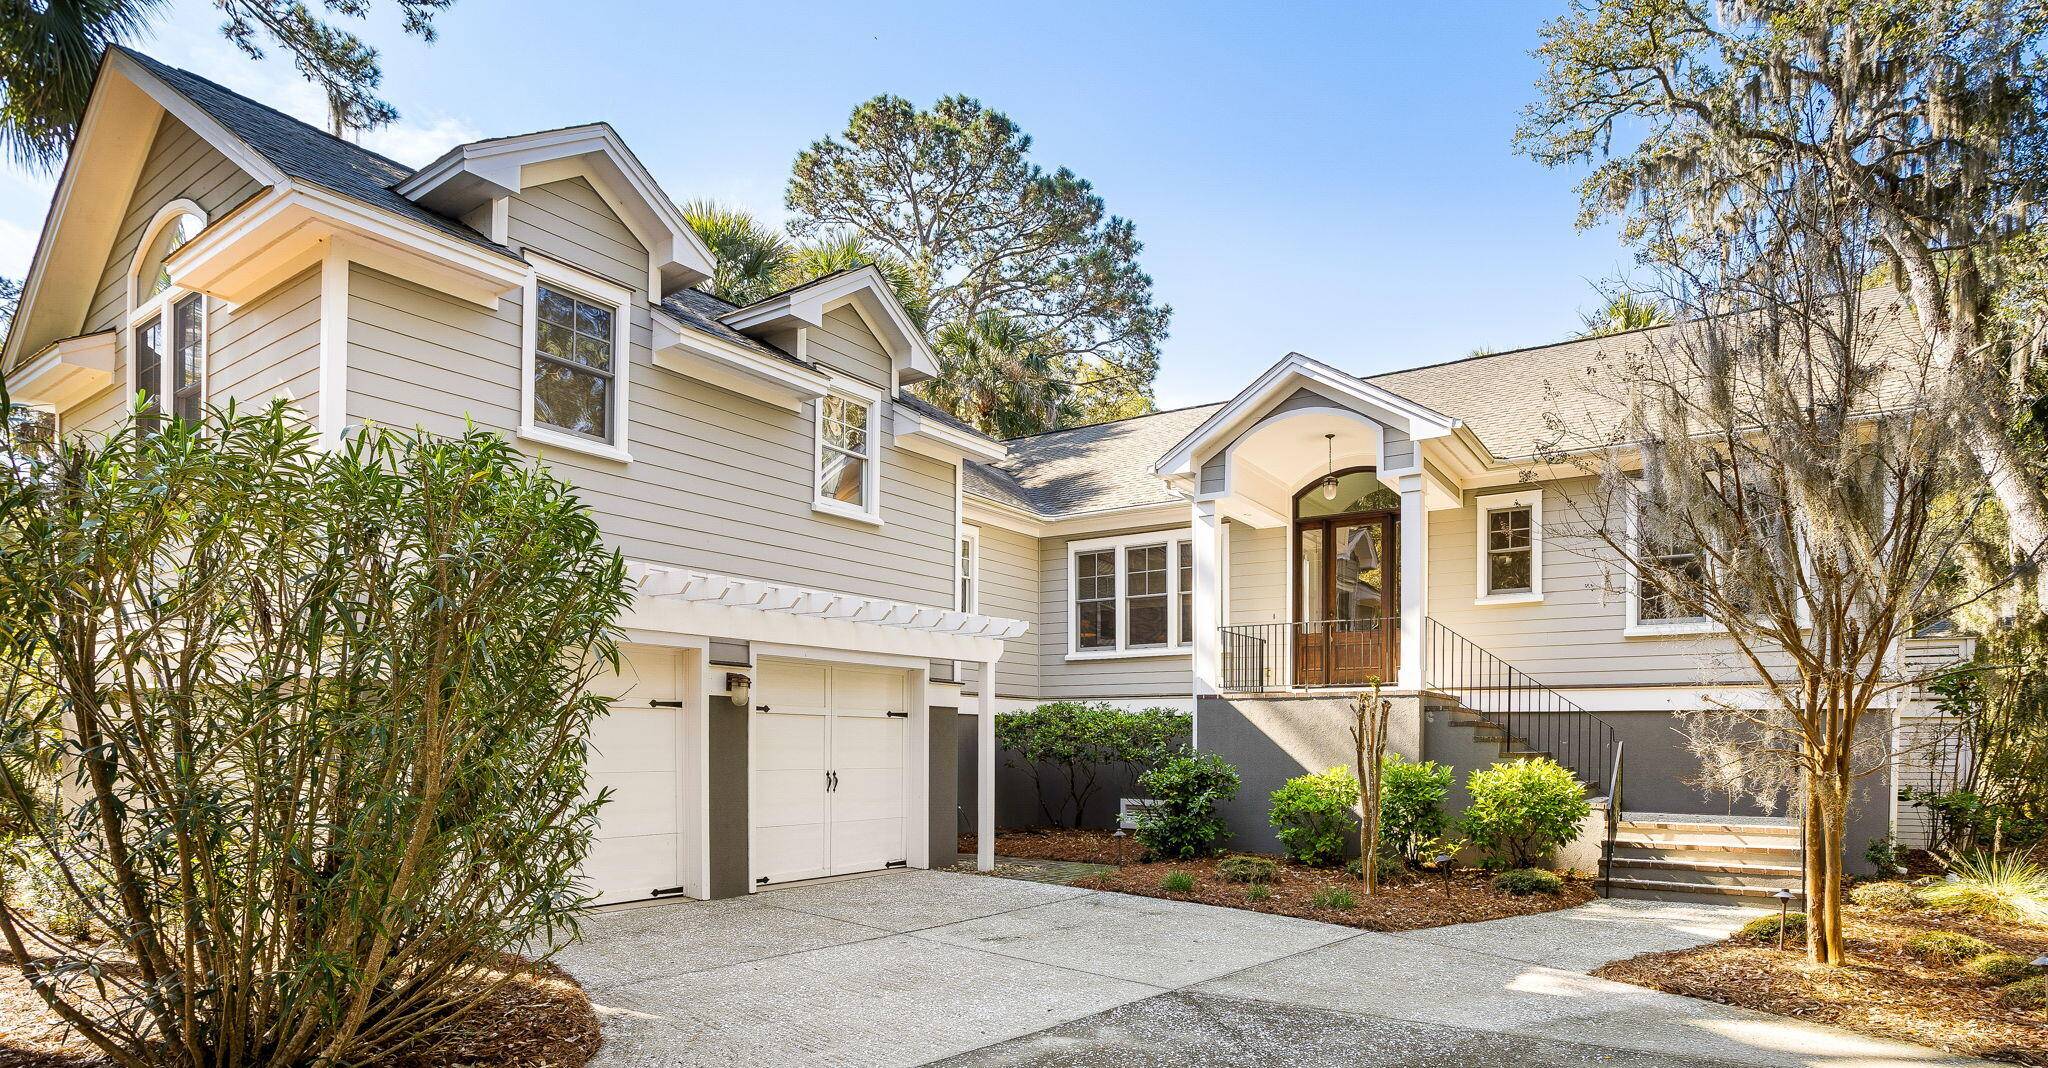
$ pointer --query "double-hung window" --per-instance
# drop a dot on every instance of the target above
(848, 462)
(1132, 595)
(577, 372)
(1510, 544)
(970, 569)
(1667, 563)
(166, 325)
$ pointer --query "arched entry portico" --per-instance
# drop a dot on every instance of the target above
(1346, 596)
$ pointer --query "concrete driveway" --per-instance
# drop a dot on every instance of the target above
(917, 967)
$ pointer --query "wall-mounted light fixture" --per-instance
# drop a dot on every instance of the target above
(740, 687)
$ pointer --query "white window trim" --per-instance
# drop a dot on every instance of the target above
(1531, 499)
(1633, 625)
(871, 473)
(161, 305)
(971, 576)
(559, 275)
(1174, 646)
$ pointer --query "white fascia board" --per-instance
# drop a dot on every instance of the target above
(468, 175)
(1295, 370)
(921, 433)
(93, 192)
(730, 367)
(873, 300)
(65, 372)
(986, 512)
(276, 234)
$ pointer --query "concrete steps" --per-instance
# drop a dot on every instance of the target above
(1666, 856)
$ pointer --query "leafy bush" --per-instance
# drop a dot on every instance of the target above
(1412, 805)
(1522, 882)
(1883, 854)
(2000, 968)
(1248, 869)
(1391, 868)
(1333, 897)
(2005, 886)
(1066, 745)
(1888, 896)
(1313, 815)
(2027, 995)
(356, 698)
(1523, 810)
(1765, 928)
(1258, 892)
(1177, 882)
(1966, 820)
(1182, 823)
(1947, 947)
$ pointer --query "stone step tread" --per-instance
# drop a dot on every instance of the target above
(1670, 886)
(1717, 843)
(1730, 867)
(1771, 825)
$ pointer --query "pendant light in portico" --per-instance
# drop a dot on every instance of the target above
(1329, 467)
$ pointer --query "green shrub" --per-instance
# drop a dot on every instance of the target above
(2000, 968)
(1883, 854)
(1258, 892)
(1391, 868)
(1522, 882)
(1412, 805)
(1523, 810)
(2027, 995)
(1313, 815)
(1947, 947)
(1887, 896)
(1177, 882)
(1333, 897)
(1765, 928)
(1063, 745)
(2002, 886)
(1965, 821)
(1248, 869)
(1182, 823)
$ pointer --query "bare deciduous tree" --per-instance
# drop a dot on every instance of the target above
(1369, 713)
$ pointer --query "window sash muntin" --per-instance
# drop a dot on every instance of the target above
(1510, 540)
(1095, 600)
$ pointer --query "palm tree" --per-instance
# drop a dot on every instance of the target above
(49, 53)
(846, 250)
(992, 376)
(752, 259)
(1623, 311)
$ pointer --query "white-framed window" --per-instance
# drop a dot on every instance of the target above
(970, 569)
(1131, 595)
(1651, 609)
(575, 377)
(166, 324)
(1509, 543)
(847, 475)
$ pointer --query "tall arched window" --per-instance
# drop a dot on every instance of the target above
(166, 324)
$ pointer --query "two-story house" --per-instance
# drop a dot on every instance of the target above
(840, 587)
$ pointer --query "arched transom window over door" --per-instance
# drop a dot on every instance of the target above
(1345, 597)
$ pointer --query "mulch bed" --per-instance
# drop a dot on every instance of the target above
(540, 1019)
(1881, 991)
(1407, 904)
(1059, 843)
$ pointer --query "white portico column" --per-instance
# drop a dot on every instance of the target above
(1414, 581)
(1208, 544)
(985, 771)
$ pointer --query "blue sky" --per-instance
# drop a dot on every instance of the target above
(1336, 181)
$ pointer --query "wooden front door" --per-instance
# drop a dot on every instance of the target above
(1345, 601)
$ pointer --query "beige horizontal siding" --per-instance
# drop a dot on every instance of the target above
(269, 347)
(1170, 675)
(1010, 584)
(1258, 575)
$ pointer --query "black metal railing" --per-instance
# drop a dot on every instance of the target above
(1536, 718)
(1614, 786)
(1320, 652)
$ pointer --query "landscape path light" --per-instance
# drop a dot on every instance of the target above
(1784, 902)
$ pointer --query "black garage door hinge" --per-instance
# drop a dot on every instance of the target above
(762, 881)
(667, 891)
(664, 704)
(897, 864)
(899, 715)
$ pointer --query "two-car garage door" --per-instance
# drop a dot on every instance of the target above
(829, 790)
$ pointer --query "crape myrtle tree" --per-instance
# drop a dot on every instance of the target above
(1781, 466)
(1925, 115)
(951, 193)
(301, 733)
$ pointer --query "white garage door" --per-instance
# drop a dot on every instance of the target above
(636, 752)
(830, 790)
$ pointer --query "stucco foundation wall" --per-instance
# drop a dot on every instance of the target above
(1017, 795)
(943, 784)
(1271, 740)
(728, 791)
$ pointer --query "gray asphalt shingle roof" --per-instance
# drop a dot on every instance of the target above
(1090, 468)
(699, 311)
(307, 153)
